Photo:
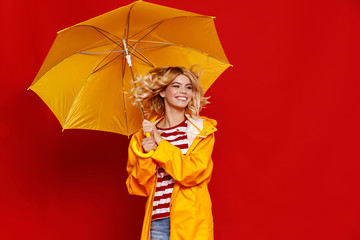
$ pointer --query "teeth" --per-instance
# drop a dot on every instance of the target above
(182, 98)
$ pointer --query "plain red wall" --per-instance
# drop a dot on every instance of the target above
(287, 150)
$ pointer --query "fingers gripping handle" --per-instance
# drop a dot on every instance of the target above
(141, 154)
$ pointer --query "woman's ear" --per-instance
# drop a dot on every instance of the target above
(162, 94)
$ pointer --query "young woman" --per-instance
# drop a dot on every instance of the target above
(175, 178)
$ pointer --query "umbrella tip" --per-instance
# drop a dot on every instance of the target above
(213, 17)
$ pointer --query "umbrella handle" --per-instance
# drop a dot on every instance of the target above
(141, 154)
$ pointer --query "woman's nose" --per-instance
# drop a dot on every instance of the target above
(183, 89)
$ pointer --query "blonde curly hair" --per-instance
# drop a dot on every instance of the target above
(147, 90)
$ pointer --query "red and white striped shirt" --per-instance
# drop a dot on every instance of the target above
(165, 183)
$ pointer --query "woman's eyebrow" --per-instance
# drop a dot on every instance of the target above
(181, 83)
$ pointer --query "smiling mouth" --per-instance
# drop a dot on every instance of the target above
(182, 98)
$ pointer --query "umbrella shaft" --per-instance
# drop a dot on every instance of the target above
(128, 59)
(133, 77)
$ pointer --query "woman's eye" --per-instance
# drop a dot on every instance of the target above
(176, 86)
(189, 88)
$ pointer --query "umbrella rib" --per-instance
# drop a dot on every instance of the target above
(105, 44)
(116, 51)
(127, 24)
(142, 57)
(153, 29)
(98, 69)
(121, 51)
(144, 60)
(101, 32)
(97, 46)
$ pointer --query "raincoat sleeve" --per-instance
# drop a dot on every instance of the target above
(141, 171)
(188, 170)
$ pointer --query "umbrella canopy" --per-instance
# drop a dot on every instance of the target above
(86, 80)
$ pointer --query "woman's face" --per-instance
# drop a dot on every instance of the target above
(178, 93)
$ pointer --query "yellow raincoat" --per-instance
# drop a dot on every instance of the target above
(190, 205)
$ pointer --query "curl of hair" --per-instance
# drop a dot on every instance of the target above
(147, 90)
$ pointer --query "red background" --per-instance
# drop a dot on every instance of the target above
(287, 150)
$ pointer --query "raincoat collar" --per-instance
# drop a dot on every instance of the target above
(197, 126)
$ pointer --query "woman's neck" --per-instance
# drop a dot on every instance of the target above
(172, 118)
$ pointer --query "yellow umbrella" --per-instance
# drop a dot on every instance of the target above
(86, 77)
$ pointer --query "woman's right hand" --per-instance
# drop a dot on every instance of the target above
(148, 143)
